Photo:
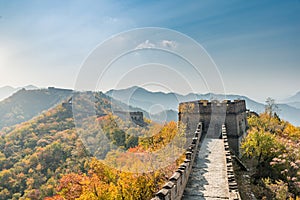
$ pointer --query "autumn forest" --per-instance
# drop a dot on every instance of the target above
(50, 157)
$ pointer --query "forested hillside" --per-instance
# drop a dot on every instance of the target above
(25, 104)
(272, 153)
(46, 157)
(112, 157)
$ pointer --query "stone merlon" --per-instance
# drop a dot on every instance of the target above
(212, 114)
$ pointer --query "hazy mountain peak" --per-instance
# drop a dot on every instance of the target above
(142, 98)
(294, 98)
(6, 88)
(7, 91)
(30, 87)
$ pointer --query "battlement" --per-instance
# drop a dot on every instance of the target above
(59, 89)
(174, 188)
(137, 117)
(215, 113)
(214, 106)
(209, 118)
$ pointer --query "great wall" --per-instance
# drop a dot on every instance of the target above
(207, 171)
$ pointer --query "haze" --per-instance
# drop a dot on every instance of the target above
(254, 44)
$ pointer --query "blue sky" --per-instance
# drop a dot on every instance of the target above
(255, 44)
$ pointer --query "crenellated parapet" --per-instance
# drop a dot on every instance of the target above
(212, 114)
(232, 184)
(174, 188)
(214, 121)
(207, 107)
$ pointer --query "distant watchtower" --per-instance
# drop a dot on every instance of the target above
(212, 115)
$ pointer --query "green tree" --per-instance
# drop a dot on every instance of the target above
(261, 146)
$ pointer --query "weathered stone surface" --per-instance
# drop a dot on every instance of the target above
(209, 177)
(212, 115)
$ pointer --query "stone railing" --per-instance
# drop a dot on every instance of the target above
(174, 188)
(232, 184)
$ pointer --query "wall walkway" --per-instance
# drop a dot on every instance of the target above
(209, 177)
(206, 174)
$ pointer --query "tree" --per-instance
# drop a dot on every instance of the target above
(271, 106)
(261, 146)
(70, 186)
(118, 137)
(131, 141)
(4, 194)
(274, 145)
(186, 108)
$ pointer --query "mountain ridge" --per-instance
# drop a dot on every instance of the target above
(141, 99)
(293, 98)
(293, 101)
(7, 91)
(145, 99)
(26, 104)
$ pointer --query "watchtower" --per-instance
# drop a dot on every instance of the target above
(213, 114)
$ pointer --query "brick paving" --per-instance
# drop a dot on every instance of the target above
(209, 177)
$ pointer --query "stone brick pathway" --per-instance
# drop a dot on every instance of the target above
(209, 177)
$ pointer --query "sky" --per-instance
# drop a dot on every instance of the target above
(254, 45)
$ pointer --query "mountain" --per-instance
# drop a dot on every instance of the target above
(28, 87)
(37, 150)
(7, 91)
(142, 98)
(35, 154)
(293, 101)
(294, 104)
(25, 104)
(294, 98)
(289, 113)
(164, 116)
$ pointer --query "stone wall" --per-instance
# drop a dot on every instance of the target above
(59, 89)
(225, 120)
(212, 114)
(232, 184)
(174, 188)
(136, 117)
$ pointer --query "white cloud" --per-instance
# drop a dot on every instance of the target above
(162, 44)
(169, 43)
(146, 44)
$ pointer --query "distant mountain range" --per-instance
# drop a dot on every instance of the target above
(25, 104)
(146, 100)
(294, 100)
(7, 91)
(294, 104)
